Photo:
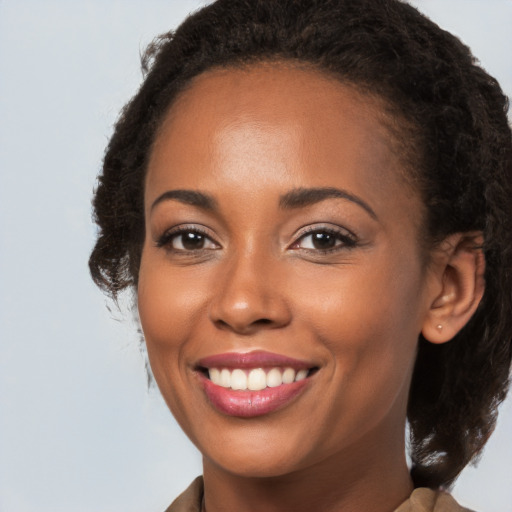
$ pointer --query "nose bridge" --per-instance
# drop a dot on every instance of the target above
(248, 296)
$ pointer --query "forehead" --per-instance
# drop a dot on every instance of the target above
(269, 96)
(285, 124)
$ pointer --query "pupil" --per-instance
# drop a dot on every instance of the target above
(192, 241)
(323, 241)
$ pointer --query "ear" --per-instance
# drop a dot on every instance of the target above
(458, 268)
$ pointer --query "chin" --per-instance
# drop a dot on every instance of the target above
(250, 467)
(253, 451)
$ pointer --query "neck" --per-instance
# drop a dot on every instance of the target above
(370, 476)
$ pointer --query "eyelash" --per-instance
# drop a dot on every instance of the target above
(347, 239)
(168, 237)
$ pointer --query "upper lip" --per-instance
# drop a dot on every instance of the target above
(255, 359)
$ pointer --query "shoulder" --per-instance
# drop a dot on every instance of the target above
(421, 500)
(190, 500)
(427, 500)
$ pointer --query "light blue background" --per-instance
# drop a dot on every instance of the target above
(78, 429)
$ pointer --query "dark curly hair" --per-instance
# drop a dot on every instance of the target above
(455, 114)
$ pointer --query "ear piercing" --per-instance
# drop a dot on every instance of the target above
(439, 327)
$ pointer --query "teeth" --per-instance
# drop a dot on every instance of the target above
(215, 376)
(288, 376)
(238, 379)
(255, 379)
(225, 378)
(274, 378)
(301, 375)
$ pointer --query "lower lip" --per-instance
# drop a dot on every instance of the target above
(248, 404)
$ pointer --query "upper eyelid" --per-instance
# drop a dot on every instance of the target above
(169, 233)
(314, 228)
(179, 228)
(347, 238)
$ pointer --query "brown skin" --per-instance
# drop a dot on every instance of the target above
(245, 138)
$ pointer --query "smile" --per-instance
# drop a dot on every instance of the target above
(254, 383)
(256, 379)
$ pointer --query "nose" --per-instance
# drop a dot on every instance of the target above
(250, 296)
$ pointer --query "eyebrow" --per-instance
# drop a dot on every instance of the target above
(297, 198)
(301, 197)
(191, 197)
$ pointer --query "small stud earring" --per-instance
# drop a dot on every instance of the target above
(439, 327)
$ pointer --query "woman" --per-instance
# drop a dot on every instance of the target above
(311, 200)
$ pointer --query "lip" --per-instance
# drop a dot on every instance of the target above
(248, 404)
(255, 359)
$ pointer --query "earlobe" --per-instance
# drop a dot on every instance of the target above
(459, 268)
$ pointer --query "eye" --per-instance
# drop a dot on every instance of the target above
(324, 240)
(186, 240)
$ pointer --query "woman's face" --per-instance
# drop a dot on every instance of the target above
(281, 253)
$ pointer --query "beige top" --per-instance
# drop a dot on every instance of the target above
(421, 500)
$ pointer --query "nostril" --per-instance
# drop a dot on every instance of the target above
(222, 324)
(263, 321)
(246, 327)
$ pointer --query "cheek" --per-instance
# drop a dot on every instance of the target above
(169, 299)
(357, 297)
(168, 305)
(369, 319)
